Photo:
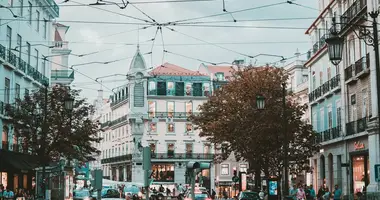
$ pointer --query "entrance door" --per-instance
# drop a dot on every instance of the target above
(360, 172)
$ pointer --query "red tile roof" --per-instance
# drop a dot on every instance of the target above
(226, 70)
(173, 70)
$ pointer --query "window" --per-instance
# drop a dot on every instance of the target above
(313, 82)
(207, 149)
(28, 51)
(206, 89)
(43, 65)
(19, 45)
(197, 89)
(171, 147)
(179, 89)
(152, 109)
(170, 89)
(152, 90)
(138, 95)
(170, 128)
(44, 28)
(9, 39)
(17, 91)
(37, 21)
(320, 78)
(189, 89)
(189, 150)
(219, 76)
(189, 108)
(328, 73)
(315, 122)
(152, 150)
(161, 88)
(153, 127)
(189, 127)
(329, 116)
(170, 109)
(37, 58)
(225, 169)
(7, 90)
(21, 10)
(26, 93)
(364, 106)
(30, 12)
(322, 117)
(163, 172)
(243, 168)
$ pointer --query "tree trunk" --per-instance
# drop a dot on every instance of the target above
(258, 178)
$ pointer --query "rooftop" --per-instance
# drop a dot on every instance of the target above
(173, 70)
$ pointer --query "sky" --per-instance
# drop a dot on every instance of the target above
(115, 35)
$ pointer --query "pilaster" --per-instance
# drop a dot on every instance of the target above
(373, 146)
(125, 173)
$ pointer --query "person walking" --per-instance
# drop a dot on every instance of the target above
(312, 192)
(301, 193)
(337, 195)
(8, 194)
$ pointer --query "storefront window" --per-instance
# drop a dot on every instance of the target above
(4, 179)
(15, 181)
(152, 109)
(171, 90)
(359, 175)
(25, 181)
(163, 172)
(170, 109)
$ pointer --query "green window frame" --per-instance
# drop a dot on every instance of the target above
(152, 88)
(179, 89)
(170, 87)
(197, 89)
(161, 88)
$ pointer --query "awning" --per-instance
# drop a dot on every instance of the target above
(10, 160)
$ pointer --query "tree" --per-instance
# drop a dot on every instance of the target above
(230, 119)
(50, 131)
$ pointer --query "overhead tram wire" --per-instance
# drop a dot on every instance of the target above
(237, 26)
(163, 46)
(151, 49)
(132, 3)
(116, 13)
(225, 13)
(191, 58)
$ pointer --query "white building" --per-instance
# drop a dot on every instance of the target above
(152, 110)
(22, 70)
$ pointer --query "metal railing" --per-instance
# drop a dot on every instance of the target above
(352, 13)
(119, 100)
(61, 44)
(329, 85)
(357, 126)
(54, 6)
(204, 156)
(56, 74)
(331, 134)
(176, 115)
(362, 64)
(122, 158)
(21, 65)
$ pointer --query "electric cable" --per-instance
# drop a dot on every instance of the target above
(144, 13)
(163, 45)
(151, 49)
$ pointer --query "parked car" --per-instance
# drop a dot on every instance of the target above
(248, 195)
(107, 193)
(199, 195)
(81, 195)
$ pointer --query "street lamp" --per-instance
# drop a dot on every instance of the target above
(335, 48)
(260, 102)
(69, 103)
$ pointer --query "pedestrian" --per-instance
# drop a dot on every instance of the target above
(327, 194)
(301, 193)
(321, 192)
(8, 194)
(225, 195)
(337, 195)
(312, 192)
(293, 192)
(213, 194)
(1, 191)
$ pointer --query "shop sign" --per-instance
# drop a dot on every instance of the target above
(225, 183)
(359, 146)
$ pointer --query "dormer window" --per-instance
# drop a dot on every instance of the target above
(152, 90)
(219, 76)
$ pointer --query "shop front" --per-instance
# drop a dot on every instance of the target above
(227, 187)
(360, 166)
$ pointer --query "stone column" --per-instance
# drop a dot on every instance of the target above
(117, 174)
(125, 173)
(373, 147)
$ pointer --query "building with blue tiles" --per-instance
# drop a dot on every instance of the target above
(22, 69)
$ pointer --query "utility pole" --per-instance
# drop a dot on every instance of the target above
(286, 142)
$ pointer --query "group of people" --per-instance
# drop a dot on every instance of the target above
(20, 194)
(308, 193)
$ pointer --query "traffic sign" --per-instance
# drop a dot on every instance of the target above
(235, 179)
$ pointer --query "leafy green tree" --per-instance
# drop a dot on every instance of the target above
(50, 131)
(230, 119)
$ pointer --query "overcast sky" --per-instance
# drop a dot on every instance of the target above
(90, 37)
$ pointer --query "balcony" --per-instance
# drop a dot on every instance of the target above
(62, 74)
(5, 145)
(362, 66)
(317, 46)
(54, 6)
(357, 126)
(353, 13)
(326, 89)
(122, 158)
(175, 115)
(61, 44)
(21, 66)
(179, 156)
(115, 102)
(331, 134)
(114, 122)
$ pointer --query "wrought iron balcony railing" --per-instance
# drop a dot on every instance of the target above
(119, 100)
(362, 64)
(202, 156)
(176, 115)
(357, 126)
(122, 158)
(331, 134)
(352, 13)
(325, 88)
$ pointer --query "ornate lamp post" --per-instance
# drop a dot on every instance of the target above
(260, 102)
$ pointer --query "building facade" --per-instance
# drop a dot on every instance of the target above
(152, 109)
(341, 101)
(22, 70)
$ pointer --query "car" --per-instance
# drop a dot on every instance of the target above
(107, 193)
(81, 195)
(199, 195)
(248, 195)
